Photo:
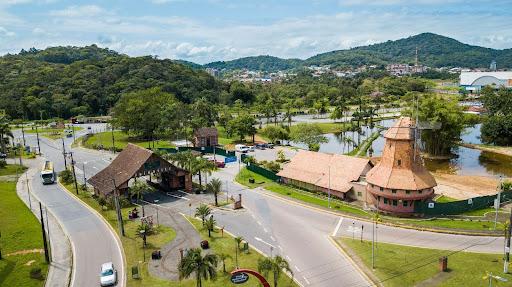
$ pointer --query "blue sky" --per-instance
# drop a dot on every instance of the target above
(210, 30)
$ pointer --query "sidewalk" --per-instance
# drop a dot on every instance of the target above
(59, 273)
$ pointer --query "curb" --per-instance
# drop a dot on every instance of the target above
(252, 247)
(345, 254)
(453, 232)
(118, 239)
(73, 261)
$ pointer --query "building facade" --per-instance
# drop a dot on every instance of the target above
(206, 137)
(474, 81)
(399, 180)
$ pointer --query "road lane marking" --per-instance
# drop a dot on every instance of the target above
(306, 279)
(259, 222)
(288, 257)
(264, 229)
(337, 227)
(175, 196)
(298, 270)
(281, 248)
(272, 237)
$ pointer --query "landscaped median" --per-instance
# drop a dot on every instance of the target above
(21, 242)
(103, 140)
(397, 265)
(471, 225)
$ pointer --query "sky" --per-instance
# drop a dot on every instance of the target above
(203, 31)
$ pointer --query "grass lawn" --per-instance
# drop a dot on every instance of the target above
(51, 133)
(104, 139)
(338, 205)
(445, 199)
(226, 245)
(400, 266)
(10, 169)
(21, 231)
(305, 196)
(132, 243)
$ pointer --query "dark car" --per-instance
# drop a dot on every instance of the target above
(260, 146)
(3, 155)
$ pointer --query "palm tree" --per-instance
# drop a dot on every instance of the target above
(210, 225)
(140, 188)
(214, 186)
(203, 165)
(223, 257)
(204, 267)
(238, 240)
(5, 131)
(275, 265)
(203, 211)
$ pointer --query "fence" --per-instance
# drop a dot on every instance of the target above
(263, 171)
(458, 207)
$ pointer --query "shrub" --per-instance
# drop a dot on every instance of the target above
(3, 163)
(35, 273)
(66, 176)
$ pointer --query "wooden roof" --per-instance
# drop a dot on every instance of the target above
(319, 168)
(401, 130)
(206, 132)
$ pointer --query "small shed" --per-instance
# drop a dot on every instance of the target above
(206, 137)
(135, 161)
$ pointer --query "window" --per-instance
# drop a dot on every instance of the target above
(359, 194)
(382, 189)
(393, 191)
(420, 191)
(407, 192)
(405, 203)
(395, 202)
(385, 200)
(399, 162)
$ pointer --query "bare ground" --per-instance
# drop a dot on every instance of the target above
(464, 186)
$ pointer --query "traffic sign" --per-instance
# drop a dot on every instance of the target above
(239, 278)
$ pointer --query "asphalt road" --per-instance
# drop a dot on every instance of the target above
(298, 233)
(92, 241)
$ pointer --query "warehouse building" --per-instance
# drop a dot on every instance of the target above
(474, 81)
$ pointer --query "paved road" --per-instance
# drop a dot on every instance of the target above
(300, 234)
(93, 242)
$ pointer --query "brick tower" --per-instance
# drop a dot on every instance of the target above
(400, 179)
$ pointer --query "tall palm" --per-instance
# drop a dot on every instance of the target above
(203, 165)
(204, 267)
(210, 225)
(214, 186)
(238, 240)
(5, 131)
(203, 211)
(275, 265)
(223, 257)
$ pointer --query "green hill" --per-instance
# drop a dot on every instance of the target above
(434, 51)
(67, 81)
(258, 63)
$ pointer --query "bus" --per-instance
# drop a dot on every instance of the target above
(47, 173)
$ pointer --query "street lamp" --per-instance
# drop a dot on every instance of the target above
(143, 235)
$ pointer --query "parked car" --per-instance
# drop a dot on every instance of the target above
(251, 148)
(269, 145)
(219, 164)
(3, 155)
(241, 148)
(260, 146)
(108, 276)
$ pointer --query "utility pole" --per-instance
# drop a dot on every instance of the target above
(23, 135)
(85, 179)
(498, 202)
(113, 140)
(64, 154)
(373, 245)
(507, 246)
(329, 189)
(38, 144)
(74, 173)
(45, 243)
(118, 209)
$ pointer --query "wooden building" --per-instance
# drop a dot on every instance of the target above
(134, 162)
(206, 137)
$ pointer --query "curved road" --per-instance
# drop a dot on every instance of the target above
(92, 241)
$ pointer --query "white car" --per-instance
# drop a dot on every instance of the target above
(108, 276)
(241, 148)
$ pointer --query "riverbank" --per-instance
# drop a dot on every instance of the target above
(504, 150)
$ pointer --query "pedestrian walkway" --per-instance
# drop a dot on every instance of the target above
(59, 273)
(186, 237)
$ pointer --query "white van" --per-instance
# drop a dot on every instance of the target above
(241, 148)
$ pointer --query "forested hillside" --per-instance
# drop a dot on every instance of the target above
(68, 81)
(434, 51)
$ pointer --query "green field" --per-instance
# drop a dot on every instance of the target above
(103, 140)
(398, 266)
(445, 199)
(50, 132)
(338, 205)
(11, 169)
(20, 232)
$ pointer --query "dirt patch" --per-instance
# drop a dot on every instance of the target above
(464, 186)
(22, 252)
(30, 263)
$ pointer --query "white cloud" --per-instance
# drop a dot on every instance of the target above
(79, 11)
(5, 32)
